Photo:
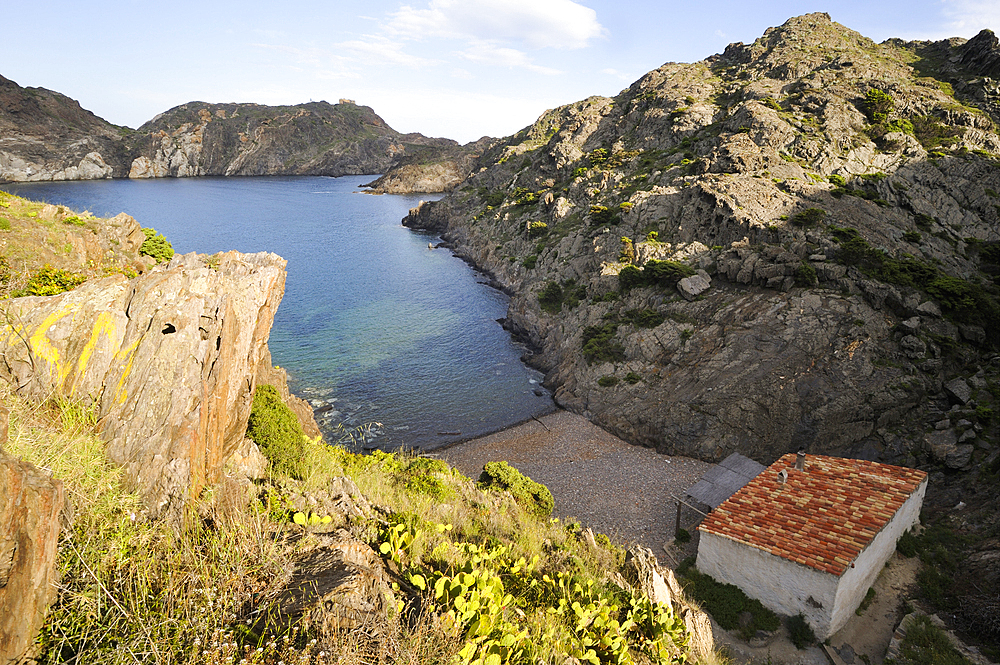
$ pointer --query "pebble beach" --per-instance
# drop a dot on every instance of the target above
(611, 486)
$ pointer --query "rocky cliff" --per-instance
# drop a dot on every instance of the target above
(47, 136)
(431, 170)
(249, 139)
(791, 244)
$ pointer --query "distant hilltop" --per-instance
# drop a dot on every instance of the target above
(47, 136)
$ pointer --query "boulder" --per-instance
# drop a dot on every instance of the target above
(693, 286)
(340, 585)
(31, 503)
(959, 389)
(168, 358)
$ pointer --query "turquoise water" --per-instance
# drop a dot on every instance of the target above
(374, 326)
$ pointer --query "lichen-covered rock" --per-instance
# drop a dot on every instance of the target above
(168, 358)
(31, 503)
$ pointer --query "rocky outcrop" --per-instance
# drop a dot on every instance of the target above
(31, 505)
(169, 360)
(643, 573)
(834, 244)
(435, 170)
(47, 136)
(317, 138)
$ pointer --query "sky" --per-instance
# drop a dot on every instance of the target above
(461, 69)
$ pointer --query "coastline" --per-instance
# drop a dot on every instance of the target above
(607, 484)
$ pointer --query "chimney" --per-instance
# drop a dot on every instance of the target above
(800, 460)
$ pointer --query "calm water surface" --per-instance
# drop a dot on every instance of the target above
(374, 326)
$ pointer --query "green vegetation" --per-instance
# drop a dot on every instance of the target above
(808, 217)
(499, 584)
(653, 273)
(866, 602)
(49, 281)
(608, 380)
(878, 105)
(530, 262)
(912, 236)
(800, 632)
(533, 497)
(963, 301)
(553, 296)
(805, 275)
(75, 221)
(276, 430)
(725, 602)
(643, 318)
(632, 378)
(156, 246)
(926, 644)
(601, 215)
(537, 229)
(599, 343)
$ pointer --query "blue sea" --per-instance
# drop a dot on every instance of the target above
(375, 327)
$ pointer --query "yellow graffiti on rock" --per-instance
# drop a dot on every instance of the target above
(42, 347)
(105, 325)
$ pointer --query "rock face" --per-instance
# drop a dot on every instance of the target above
(438, 170)
(846, 250)
(169, 360)
(47, 136)
(31, 503)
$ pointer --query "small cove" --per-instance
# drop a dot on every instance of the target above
(374, 326)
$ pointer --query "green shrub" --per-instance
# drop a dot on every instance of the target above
(607, 381)
(866, 602)
(800, 632)
(878, 105)
(837, 180)
(74, 221)
(926, 644)
(49, 281)
(276, 430)
(683, 536)
(599, 343)
(524, 196)
(630, 277)
(725, 602)
(808, 217)
(550, 298)
(912, 236)
(644, 318)
(421, 476)
(495, 198)
(666, 273)
(537, 229)
(632, 378)
(530, 262)
(601, 215)
(533, 496)
(156, 246)
(805, 275)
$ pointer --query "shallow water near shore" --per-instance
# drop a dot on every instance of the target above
(374, 326)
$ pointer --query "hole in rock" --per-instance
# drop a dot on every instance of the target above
(169, 328)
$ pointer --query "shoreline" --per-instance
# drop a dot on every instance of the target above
(614, 487)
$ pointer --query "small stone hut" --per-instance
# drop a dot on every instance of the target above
(811, 533)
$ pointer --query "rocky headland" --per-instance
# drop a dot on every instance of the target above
(46, 136)
(791, 244)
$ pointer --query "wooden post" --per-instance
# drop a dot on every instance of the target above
(677, 524)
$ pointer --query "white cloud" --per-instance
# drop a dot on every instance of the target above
(488, 53)
(460, 73)
(968, 17)
(379, 50)
(561, 24)
(617, 74)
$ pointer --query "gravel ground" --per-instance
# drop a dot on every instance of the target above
(611, 486)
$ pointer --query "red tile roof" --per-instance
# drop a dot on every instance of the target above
(823, 517)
